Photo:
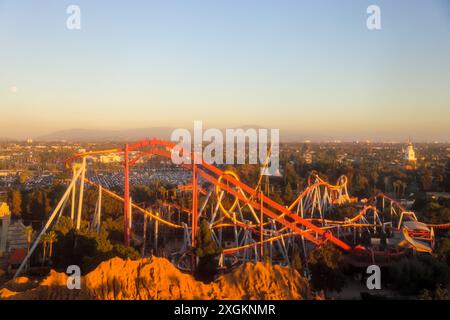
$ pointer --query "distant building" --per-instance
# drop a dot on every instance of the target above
(410, 157)
(307, 154)
(308, 158)
(6, 173)
(12, 235)
(110, 158)
(17, 238)
(29, 141)
(5, 219)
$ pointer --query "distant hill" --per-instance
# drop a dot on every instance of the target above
(107, 135)
(91, 135)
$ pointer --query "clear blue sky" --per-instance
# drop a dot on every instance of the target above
(310, 68)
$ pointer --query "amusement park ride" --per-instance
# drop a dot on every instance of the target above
(250, 225)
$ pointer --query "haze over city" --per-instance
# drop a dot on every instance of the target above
(312, 69)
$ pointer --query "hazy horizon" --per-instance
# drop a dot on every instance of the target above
(134, 134)
(311, 69)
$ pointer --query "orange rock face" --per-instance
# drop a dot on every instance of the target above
(157, 279)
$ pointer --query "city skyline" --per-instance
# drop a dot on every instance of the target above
(312, 70)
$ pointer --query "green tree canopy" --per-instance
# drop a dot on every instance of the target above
(206, 251)
(325, 265)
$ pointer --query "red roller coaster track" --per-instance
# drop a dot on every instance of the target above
(212, 174)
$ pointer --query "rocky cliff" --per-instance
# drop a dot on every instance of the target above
(157, 278)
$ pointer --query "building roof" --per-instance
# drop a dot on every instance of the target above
(415, 225)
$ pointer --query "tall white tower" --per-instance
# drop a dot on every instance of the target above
(410, 153)
(410, 156)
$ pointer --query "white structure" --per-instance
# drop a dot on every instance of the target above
(266, 172)
(17, 237)
(410, 154)
(110, 158)
(410, 157)
(5, 219)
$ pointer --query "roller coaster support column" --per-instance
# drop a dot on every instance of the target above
(261, 229)
(194, 213)
(98, 217)
(72, 208)
(80, 198)
(126, 204)
(194, 203)
(50, 220)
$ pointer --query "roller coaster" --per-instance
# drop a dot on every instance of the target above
(244, 222)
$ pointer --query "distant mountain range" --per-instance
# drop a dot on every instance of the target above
(83, 135)
(107, 135)
(95, 135)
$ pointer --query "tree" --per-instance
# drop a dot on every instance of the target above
(288, 194)
(52, 237)
(29, 233)
(15, 202)
(206, 251)
(124, 252)
(296, 261)
(442, 249)
(44, 241)
(87, 248)
(347, 210)
(410, 276)
(39, 205)
(80, 248)
(438, 294)
(447, 176)
(361, 186)
(427, 181)
(325, 265)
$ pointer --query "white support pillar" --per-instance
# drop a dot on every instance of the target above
(236, 240)
(156, 231)
(99, 209)
(80, 198)
(216, 209)
(49, 222)
(144, 236)
(74, 191)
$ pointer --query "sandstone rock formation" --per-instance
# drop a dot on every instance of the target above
(157, 278)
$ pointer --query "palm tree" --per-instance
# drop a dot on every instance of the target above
(52, 237)
(44, 240)
(29, 232)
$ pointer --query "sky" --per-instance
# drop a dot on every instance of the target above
(310, 68)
